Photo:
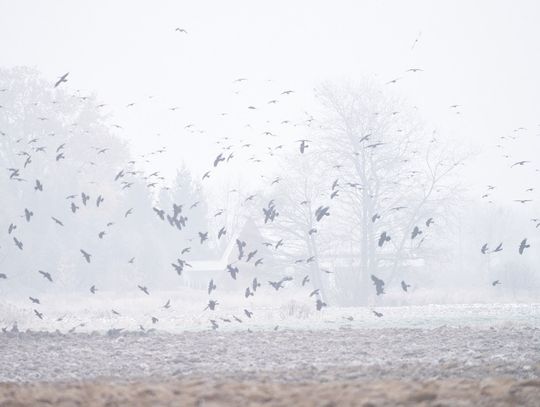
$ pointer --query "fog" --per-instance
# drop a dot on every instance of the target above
(240, 165)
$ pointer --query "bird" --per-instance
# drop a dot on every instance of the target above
(203, 236)
(321, 212)
(255, 284)
(39, 186)
(314, 292)
(379, 284)
(248, 313)
(181, 30)
(305, 280)
(218, 159)
(28, 214)
(496, 282)
(46, 275)
(416, 231)
(58, 222)
(143, 289)
(383, 239)
(93, 289)
(155, 320)
(523, 245)
(34, 300)
(232, 270)
(128, 212)
(211, 286)
(520, 163)
(18, 243)
(303, 145)
(251, 255)
(404, 286)
(484, 249)
(222, 232)
(429, 222)
(3, 276)
(62, 79)
(499, 248)
(211, 305)
(38, 314)
(86, 255)
(320, 304)
(248, 293)
(377, 314)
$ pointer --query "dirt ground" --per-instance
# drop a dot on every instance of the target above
(203, 392)
(346, 367)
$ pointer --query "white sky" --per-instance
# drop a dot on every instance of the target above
(483, 55)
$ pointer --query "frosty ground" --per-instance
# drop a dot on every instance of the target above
(439, 355)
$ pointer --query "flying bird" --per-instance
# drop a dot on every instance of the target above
(62, 79)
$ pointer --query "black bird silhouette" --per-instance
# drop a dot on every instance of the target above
(39, 186)
(523, 245)
(375, 217)
(155, 320)
(34, 300)
(255, 284)
(159, 212)
(383, 239)
(62, 79)
(93, 289)
(429, 222)
(211, 286)
(416, 231)
(38, 314)
(379, 284)
(305, 280)
(258, 262)
(320, 304)
(251, 255)
(3, 276)
(248, 293)
(321, 212)
(28, 214)
(303, 145)
(128, 212)
(222, 232)
(167, 304)
(484, 249)
(84, 198)
(57, 221)
(46, 275)
(279, 284)
(377, 314)
(86, 255)
(11, 228)
(248, 313)
(99, 201)
(74, 207)
(203, 236)
(18, 243)
(143, 289)
(232, 270)
(314, 292)
(521, 163)
(404, 286)
(499, 248)
(218, 159)
(496, 282)
(211, 305)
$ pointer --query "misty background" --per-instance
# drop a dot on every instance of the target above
(414, 116)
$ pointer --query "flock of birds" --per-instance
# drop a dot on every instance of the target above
(177, 217)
